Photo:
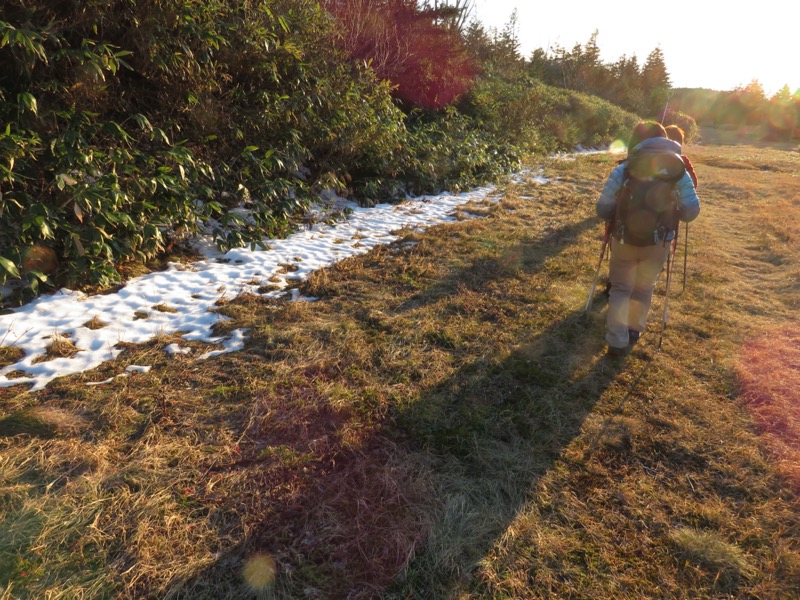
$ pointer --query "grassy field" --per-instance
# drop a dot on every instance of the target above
(443, 423)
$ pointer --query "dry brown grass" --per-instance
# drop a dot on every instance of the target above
(769, 372)
(43, 421)
(59, 347)
(442, 423)
(95, 323)
(660, 497)
(9, 355)
(165, 308)
(712, 552)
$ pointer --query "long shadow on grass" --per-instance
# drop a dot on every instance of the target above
(411, 509)
(437, 479)
(489, 434)
(529, 256)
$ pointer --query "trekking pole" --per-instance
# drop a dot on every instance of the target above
(670, 256)
(606, 238)
(666, 106)
(685, 256)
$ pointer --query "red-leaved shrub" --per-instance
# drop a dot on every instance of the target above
(412, 48)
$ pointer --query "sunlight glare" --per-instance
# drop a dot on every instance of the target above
(259, 572)
(769, 377)
(618, 146)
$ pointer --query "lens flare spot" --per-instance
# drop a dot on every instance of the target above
(40, 258)
(618, 146)
(259, 572)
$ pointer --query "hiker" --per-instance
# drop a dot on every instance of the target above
(676, 134)
(642, 234)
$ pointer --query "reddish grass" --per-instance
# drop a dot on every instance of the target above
(351, 507)
(769, 375)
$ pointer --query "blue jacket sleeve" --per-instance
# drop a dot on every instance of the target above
(688, 202)
(607, 203)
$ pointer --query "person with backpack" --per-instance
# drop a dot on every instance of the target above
(644, 197)
(676, 134)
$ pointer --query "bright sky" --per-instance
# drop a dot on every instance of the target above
(717, 45)
(189, 292)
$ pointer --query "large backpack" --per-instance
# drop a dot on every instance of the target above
(647, 203)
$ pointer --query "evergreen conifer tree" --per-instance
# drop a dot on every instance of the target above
(655, 83)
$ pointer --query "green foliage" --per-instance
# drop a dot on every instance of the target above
(91, 189)
(511, 109)
(90, 163)
(642, 90)
(359, 132)
(535, 117)
(598, 122)
(450, 151)
(745, 110)
(686, 122)
(655, 83)
(126, 127)
(96, 195)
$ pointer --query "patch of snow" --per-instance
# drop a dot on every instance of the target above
(192, 291)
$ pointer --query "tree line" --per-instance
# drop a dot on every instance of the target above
(747, 109)
(646, 88)
(641, 89)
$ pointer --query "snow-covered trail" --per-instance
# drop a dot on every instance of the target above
(181, 299)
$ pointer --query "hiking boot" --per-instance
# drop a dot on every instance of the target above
(613, 352)
(633, 336)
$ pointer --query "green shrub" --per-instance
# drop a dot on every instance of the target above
(536, 117)
(126, 126)
(509, 110)
(599, 122)
(687, 123)
(450, 151)
(90, 168)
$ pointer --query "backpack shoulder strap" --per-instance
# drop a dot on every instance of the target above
(623, 196)
(690, 169)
